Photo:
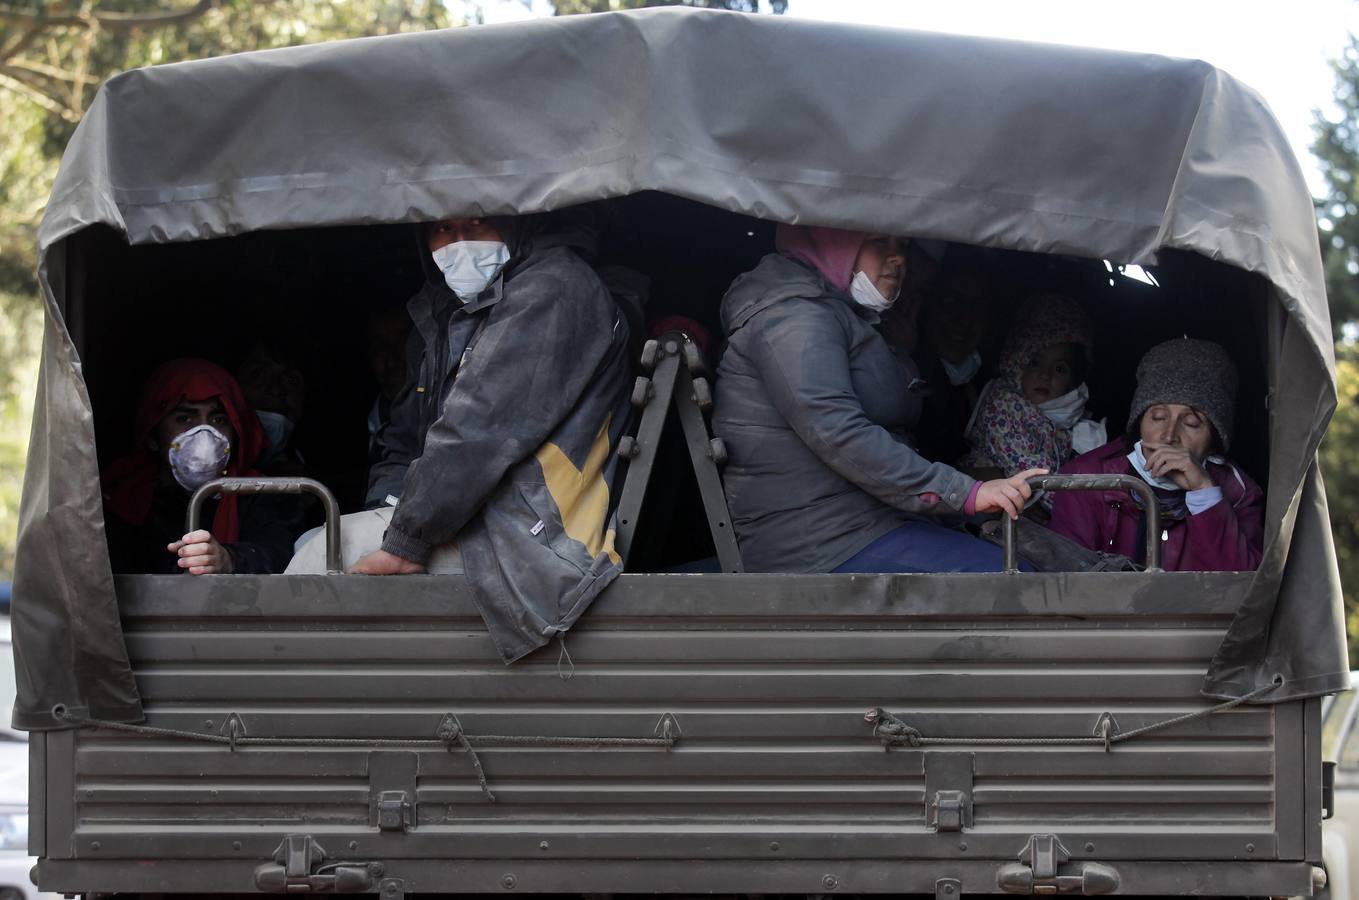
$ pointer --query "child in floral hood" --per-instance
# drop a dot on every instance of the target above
(1032, 415)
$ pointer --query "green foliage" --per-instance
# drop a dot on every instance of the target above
(571, 7)
(20, 338)
(26, 175)
(1336, 147)
(1340, 466)
(56, 54)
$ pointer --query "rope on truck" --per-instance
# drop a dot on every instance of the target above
(449, 736)
(893, 732)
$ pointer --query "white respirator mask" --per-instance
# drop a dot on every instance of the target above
(199, 455)
(469, 266)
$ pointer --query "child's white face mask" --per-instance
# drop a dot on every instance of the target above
(198, 456)
(1065, 411)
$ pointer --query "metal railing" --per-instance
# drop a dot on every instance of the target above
(1092, 483)
(262, 485)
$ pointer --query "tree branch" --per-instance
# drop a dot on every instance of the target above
(53, 89)
(38, 68)
(20, 43)
(38, 97)
(82, 72)
(110, 20)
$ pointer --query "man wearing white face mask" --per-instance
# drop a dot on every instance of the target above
(193, 425)
(501, 444)
(815, 406)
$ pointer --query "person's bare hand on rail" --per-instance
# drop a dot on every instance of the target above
(1007, 495)
(200, 554)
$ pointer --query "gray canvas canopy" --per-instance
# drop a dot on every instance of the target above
(1013, 145)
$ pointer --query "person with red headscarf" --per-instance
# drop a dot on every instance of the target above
(192, 424)
(815, 408)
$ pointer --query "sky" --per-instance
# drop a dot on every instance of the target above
(1281, 49)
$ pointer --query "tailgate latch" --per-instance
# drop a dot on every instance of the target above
(949, 811)
(299, 867)
(948, 790)
(393, 811)
(1045, 867)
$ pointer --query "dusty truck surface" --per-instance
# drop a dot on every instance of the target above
(701, 729)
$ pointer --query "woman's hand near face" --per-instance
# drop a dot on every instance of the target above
(200, 554)
(1007, 495)
(1178, 464)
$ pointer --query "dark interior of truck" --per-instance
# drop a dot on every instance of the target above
(311, 298)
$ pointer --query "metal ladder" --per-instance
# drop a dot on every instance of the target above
(674, 372)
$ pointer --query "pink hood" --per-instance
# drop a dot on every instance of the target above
(830, 251)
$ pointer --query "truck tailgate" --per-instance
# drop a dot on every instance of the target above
(347, 696)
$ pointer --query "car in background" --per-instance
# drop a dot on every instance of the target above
(1340, 833)
(15, 863)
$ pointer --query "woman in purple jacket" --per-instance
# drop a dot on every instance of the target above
(1212, 514)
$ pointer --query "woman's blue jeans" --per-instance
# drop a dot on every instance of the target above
(926, 547)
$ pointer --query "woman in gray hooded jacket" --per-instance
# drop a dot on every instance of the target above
(815, 408)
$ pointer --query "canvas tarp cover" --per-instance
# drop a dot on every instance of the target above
(1005, 144)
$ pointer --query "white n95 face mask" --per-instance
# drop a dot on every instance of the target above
(199, 455)
(469, 266)
(867, 295)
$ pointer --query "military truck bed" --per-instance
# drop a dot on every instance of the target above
(775, 782)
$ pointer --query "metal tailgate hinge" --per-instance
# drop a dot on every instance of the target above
(1039, 871)
(299, 867)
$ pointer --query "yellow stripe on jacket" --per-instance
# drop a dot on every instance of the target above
(581, 495)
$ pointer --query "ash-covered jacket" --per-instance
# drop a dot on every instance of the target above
(814, 407)
(1227, 537)
(504, 436)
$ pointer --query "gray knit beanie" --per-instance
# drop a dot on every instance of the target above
(1192, 373)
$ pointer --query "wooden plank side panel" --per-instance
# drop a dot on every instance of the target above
(770, 708)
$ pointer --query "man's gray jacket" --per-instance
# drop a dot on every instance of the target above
(814, 407)
(504, 439)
